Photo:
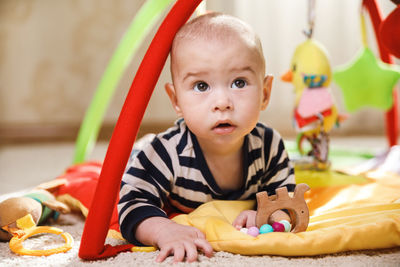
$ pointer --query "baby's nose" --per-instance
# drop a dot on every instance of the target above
(223, 100)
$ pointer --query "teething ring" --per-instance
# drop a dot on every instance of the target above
(296, 206)
(17, 247)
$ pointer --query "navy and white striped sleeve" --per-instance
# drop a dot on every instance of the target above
(144, 188)
(279, 170)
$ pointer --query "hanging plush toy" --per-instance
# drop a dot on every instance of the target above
(315, 113)
(365, 80)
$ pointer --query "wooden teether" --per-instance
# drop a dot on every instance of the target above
(296, 205)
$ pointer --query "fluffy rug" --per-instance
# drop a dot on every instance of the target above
(73, 224)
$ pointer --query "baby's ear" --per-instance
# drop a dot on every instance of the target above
(170, 89)
(267, 86)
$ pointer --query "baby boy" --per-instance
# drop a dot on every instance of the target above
(217, 150)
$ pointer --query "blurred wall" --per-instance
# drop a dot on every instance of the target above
(53, 54)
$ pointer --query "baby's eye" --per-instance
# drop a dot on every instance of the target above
(201, 87)
(239, 83)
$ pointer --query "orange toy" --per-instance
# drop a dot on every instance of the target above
(29, 228)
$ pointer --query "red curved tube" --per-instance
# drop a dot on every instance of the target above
(125, 131)
(392, 124)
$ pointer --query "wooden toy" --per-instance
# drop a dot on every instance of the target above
(296, 205)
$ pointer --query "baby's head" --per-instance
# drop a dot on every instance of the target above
(217, 28)
(218, 72)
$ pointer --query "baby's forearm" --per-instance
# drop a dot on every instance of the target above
(148, 230)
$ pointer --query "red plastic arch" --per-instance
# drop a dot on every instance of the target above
(392, 116)
(389, 32)
(99, 216)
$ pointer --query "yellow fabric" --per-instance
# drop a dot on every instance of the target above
(327, 178)
(347, 213)
(347, 217)
(375, 192)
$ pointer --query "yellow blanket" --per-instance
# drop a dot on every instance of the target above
(344, 217)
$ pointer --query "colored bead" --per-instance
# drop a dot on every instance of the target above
(278, 227)
(266, 228)
(253, 231)
(288, 226)
(244, 230)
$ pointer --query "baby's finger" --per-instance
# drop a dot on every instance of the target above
(240, 221)
(250, 222)
(204, 246)
(163, 254)
(179, 253)
(200, 234)
(191, 252)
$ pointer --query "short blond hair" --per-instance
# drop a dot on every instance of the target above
(218, 26)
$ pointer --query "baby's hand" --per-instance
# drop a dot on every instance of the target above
(246, 219)
(279, 215)
(181, 240)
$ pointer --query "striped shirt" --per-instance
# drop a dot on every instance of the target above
(172, 172)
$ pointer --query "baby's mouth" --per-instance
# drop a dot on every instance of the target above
(224, 128)
(223, 125)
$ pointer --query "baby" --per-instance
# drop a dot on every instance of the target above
(216, 151)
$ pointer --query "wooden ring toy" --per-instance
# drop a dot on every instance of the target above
(296, 205)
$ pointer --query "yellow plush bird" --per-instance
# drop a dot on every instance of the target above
(315, 113)
(310, 57)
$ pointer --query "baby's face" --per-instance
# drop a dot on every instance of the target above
(220, 89)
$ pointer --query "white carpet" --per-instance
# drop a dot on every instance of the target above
(73, 224)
